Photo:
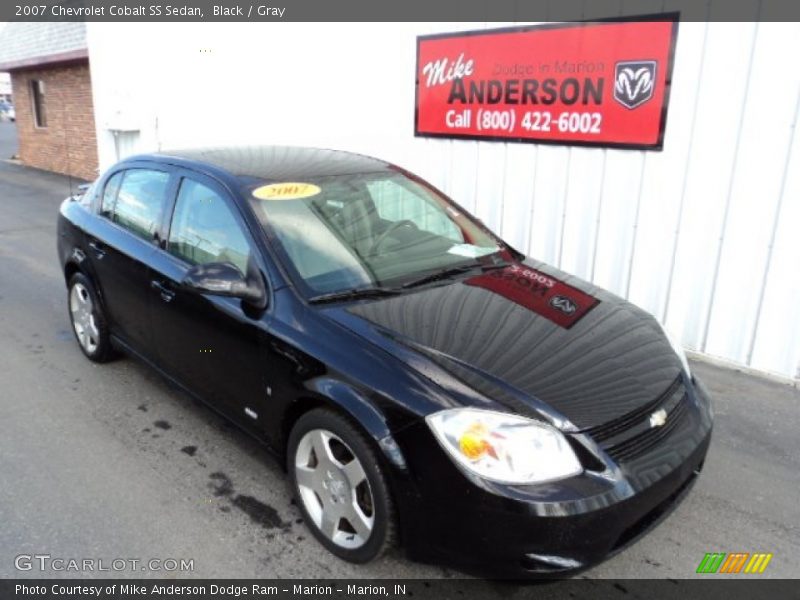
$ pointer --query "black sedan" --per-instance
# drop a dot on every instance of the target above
(425, 383)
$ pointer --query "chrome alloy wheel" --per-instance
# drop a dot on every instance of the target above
(334, 489)
(83, 321)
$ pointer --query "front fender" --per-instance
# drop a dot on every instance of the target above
(362, 410)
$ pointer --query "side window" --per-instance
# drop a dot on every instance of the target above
(140, 200)
(396, 203)
(204, 229)
(110, 194)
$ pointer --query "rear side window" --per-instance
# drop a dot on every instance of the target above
(134, 199)
(204, 230)
(110, 194)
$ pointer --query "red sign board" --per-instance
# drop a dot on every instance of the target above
(555, 300)
(601, 83)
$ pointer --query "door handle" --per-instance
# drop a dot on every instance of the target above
(98, 249)
(166, 294)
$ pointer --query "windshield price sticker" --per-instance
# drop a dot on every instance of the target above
(286, 191)
(591, 83)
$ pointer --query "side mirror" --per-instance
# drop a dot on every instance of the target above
(225, 279)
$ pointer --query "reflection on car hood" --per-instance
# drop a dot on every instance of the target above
(529, 334)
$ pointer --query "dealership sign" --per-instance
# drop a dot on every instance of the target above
(601, 83)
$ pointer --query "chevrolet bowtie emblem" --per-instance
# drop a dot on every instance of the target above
(658, 418)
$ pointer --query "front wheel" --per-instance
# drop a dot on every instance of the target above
(88, 321)
(340, 486)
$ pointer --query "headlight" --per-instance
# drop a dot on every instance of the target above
(678, 348)
(503, 447)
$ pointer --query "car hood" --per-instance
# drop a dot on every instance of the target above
(528, 336)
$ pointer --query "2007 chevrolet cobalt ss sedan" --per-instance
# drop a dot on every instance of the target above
(426, 384)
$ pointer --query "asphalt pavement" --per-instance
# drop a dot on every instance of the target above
(108, 462)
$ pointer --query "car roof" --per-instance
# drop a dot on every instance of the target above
(285, 163)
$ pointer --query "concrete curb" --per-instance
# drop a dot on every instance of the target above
(734, 366)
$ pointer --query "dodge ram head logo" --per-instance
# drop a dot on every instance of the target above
(634, 82)
(564, 304)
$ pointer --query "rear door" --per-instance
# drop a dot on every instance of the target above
(122, 242)
(211, 344)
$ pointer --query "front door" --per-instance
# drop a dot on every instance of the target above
(210, 343)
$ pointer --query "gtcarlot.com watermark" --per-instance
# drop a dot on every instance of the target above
(46, 562)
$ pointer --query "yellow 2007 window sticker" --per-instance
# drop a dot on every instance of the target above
(286, 191)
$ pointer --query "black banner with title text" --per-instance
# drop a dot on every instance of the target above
(475, 11)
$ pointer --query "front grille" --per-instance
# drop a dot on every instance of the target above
(610, 429)
(632, 435)
(639, 444)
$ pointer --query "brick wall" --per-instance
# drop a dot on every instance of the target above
(68, 143)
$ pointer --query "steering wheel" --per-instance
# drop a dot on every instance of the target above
(382, 237)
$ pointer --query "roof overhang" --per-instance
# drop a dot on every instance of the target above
(48, 60)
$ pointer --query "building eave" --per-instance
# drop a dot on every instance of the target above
(47, 60)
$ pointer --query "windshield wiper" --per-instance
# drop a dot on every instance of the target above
(357, 294)
(452, 271)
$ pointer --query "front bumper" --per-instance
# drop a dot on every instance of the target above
(450, 517)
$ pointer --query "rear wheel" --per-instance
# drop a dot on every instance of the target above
(340, 486)
(88, 321)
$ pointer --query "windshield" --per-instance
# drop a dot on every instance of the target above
(368, 230)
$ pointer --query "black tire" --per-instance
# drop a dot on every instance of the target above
(384, 530)
(103, 352)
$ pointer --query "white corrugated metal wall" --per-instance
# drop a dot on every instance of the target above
(702, 234)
